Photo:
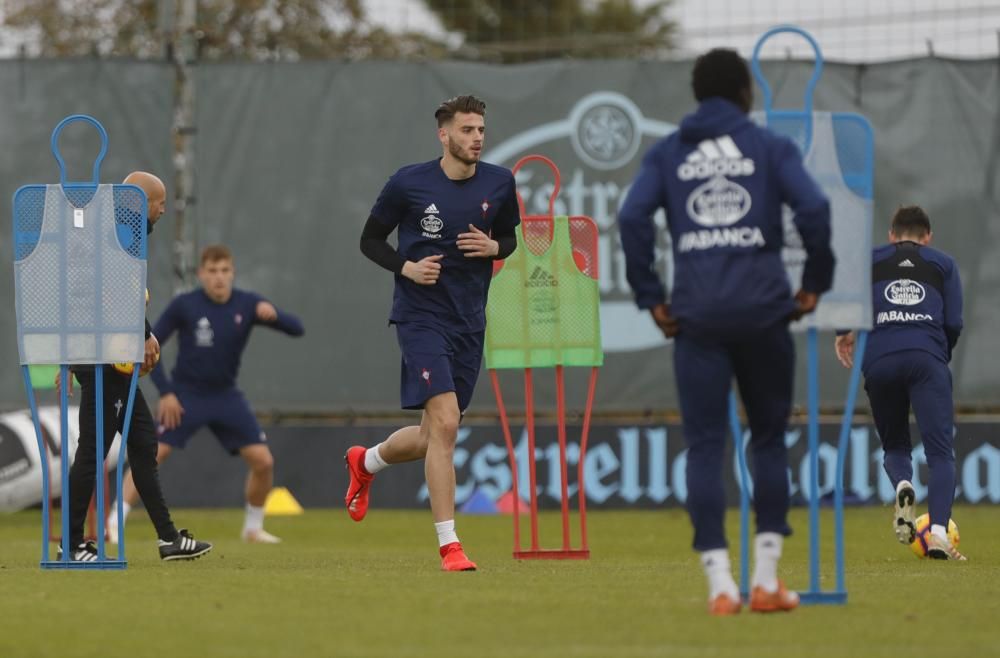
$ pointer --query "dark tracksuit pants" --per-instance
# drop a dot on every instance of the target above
(141, 451)
(896, 381)
(763, 362)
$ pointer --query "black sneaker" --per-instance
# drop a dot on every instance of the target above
(185, 547)
(85, 552)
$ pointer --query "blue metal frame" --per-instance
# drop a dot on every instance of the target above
(44, 457)
(814, 595)
(65, 562)
(812, 376)
(54, 145)
(745, 493)
(64, 459)
(768, 98)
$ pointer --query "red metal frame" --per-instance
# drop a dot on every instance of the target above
(566, 552)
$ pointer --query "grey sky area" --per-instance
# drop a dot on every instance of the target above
(847, 30)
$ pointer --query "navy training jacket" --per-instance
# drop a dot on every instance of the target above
(916, 301)
(722, 181)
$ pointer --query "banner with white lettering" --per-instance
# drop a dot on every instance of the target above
(627, 465)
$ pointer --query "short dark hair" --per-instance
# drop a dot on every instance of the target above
(720, 72)
(214, 253)
(910, 221)
(448, 109)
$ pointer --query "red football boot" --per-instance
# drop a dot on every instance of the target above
(779, 601)
(453, 558)
(724, 605)
(357, 491)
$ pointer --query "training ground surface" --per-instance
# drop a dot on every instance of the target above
(337, 588)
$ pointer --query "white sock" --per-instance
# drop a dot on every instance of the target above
(939, 531)
(446, 532)
(254, 519)
(767, 552)
(373, 460)
(113, 515)
(720, 576)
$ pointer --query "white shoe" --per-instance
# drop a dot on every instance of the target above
(259, 537)
(904, 516)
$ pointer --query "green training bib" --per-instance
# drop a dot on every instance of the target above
(542, 310)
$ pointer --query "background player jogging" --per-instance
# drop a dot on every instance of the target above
(917, 302)
(213, 325)
(722, 181)
(454, 216)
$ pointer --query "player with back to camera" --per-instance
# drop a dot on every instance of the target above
(213, 324)
(722, 181)
(454, 216)
(917, 306)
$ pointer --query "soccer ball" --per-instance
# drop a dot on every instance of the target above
(923, 527)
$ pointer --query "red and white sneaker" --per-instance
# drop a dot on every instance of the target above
(724, 605)
(357, 491)
(453, 558)
(942, 549)
(778, 601)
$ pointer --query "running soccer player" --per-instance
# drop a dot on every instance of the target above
(213, 325)
(454, 216)
(917, 302)
(173, 544)
(722, 181)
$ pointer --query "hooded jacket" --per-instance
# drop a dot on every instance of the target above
(722, 181)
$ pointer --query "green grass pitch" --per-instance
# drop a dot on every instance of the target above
(337, 588)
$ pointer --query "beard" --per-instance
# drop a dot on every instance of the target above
(459, 154)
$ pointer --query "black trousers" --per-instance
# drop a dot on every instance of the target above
(141, 451)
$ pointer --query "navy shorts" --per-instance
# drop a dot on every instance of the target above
(435, 361)
(227, 414)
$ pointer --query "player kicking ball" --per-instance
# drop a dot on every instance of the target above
(917, 304)
(454, 215)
